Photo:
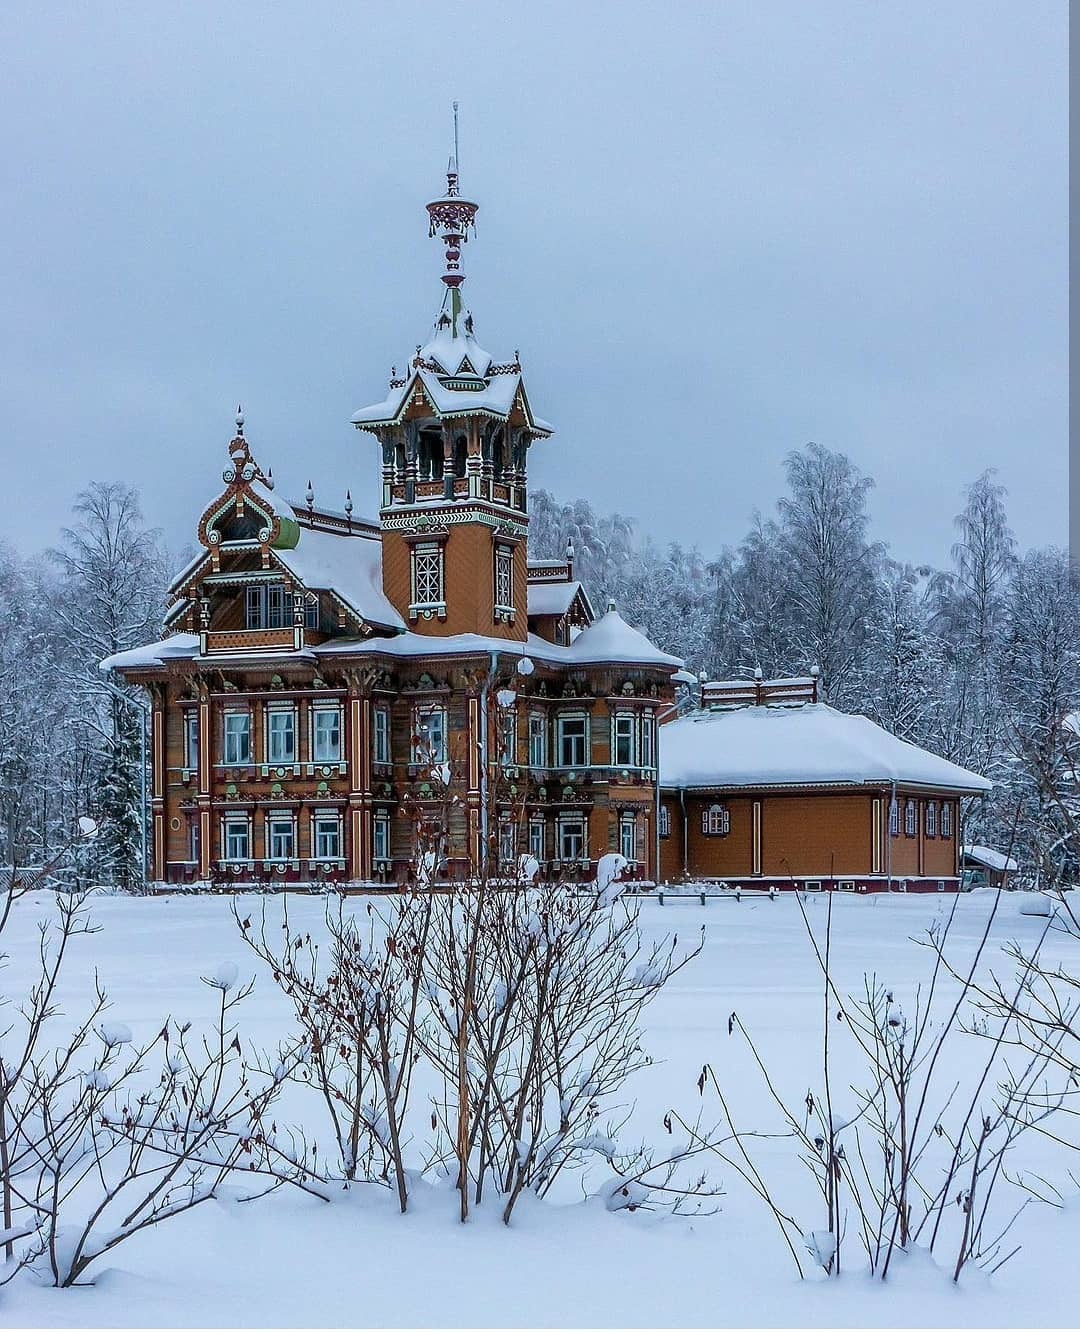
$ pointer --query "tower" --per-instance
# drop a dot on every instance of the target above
(455, 432)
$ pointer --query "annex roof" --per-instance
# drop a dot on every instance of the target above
(986, 855)
(348, 566)
(554, 598)
(808, 745)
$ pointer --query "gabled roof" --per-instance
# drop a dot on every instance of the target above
(494, 395)
(552, 598)
(808, 745)
(348, 566)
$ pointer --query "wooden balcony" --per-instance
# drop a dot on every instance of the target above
(250, 640)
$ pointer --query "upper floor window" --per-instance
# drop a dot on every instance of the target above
(664, 822)
(946, 818)
(380, 734)
(326, 735)
(931, 818)
(894, 817)
(504, 578)
(266, 606)
(429, 733)
(573, 738)
(281, 735)
(508, 738)
(191, 740)
(428, 577)
(622, 740)
(537, 740)
(910, 824)
(648, 739)
(237, 737)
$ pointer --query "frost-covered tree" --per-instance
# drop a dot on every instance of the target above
(900, 677)
(831, 566)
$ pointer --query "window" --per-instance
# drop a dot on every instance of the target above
(266, 606)
(381, 836)
(946, 818)
(193, 841)
(380, 735)
(237, 737)
(813, 885)
(537, 838)
(647, 737)
(326, 735)
(909, 819)
(507, 842)
(846, 885)
(427, 577)
(628, 836)
(237, 838)
(429, 734)
(573, 741)
(508, 738)
(572, 844)
(504, 578)
(931, 818)
(664, 822)
(281, 736)
(280, 837)
(191, 740)
(894, 817)
(622, 740)
(716, 821)
(326, 837)
(537, 740)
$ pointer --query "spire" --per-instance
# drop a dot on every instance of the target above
(451, 218)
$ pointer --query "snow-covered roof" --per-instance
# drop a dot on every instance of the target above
(175, 647)
(350, 566)
(610, 638)
(809, 745)
(553, 598)
(495, 397)
(986, 855)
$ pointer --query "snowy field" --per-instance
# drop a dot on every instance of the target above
(288, 1260)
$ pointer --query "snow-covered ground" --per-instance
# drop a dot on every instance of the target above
(290, 1260)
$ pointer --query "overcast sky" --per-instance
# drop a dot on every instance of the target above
(715, 232)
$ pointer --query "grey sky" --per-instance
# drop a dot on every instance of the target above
(714, 231)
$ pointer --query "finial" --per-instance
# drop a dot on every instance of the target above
(348, 503)
(309, 495)
(569, 548)
(239, 419)
(757, 673)
(269, 478)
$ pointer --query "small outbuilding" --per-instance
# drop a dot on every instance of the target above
(983, 867)
(763, 786)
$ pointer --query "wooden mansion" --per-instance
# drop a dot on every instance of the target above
(333, 687)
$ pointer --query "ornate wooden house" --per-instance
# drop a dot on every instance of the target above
(328, 677)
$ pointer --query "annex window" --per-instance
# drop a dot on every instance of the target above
(428, 577)
(628, 836)
(326, 836)
(280, 837)
(537, 740)
(931, 818)
(894, 817)
(326, 734)
(237, 837)
(237, 738)
(380, 734)
(429, 734)
(910, 824)
(504, 579)
(716, 821)
(622, 740)
(191, 740)
(573, 732)
(193, 841)
(508, 738)
(281, 735)
(664, 821)
(572, 843)
(380, 827)
(946, 818)
(537, 838)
